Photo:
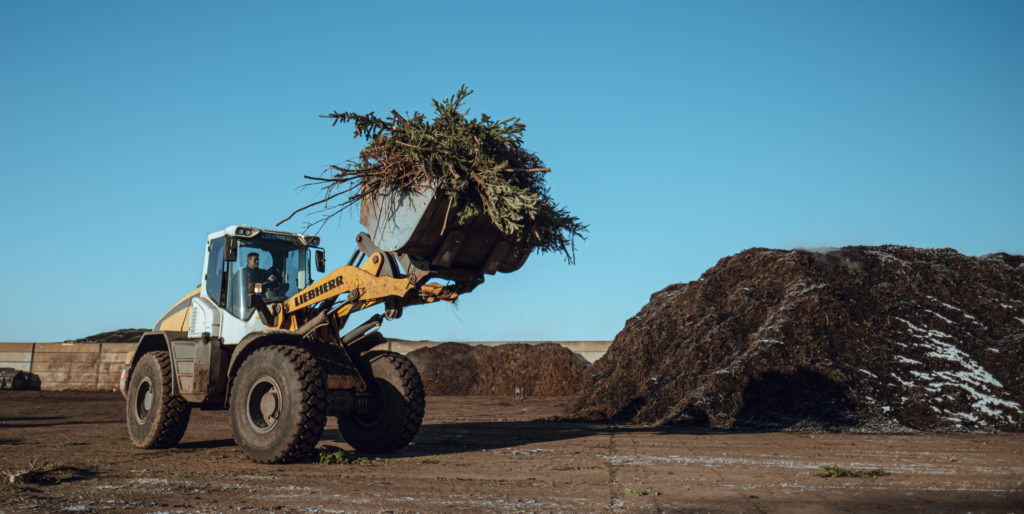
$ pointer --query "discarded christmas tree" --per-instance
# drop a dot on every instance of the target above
(480, 165)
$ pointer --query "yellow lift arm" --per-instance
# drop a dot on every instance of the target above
(365, 287)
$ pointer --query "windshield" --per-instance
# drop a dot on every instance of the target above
(273, 261)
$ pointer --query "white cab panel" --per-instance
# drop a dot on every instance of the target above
(204, 316)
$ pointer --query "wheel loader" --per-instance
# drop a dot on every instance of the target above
(260, 338)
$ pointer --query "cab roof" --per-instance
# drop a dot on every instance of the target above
(248, 232)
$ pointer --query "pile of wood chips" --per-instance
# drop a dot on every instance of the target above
(479, 164)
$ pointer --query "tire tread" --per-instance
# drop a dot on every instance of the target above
(303, 436)
(170, 427)
(411, 386)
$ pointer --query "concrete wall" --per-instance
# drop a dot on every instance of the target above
(97, 366)
(16, 355)
(62, 367)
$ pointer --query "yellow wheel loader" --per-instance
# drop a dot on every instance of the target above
(260, 338)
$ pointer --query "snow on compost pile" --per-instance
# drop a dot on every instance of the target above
(864, 338)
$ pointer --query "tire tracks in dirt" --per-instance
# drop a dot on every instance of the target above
(614, 495)
(644, 472)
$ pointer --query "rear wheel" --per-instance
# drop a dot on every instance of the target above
(156, 417)
(278, 404)
(397, 411)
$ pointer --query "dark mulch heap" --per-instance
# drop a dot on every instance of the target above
(864, 338)
(122, 335)
(460, 369)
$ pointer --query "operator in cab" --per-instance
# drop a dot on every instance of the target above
(252, 273)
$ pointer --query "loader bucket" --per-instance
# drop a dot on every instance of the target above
(420, 224)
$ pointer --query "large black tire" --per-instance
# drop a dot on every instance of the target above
(397, 413)
(156, 417)
(278, 404)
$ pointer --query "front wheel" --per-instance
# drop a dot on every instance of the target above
(156, 417)
(278, 404)
(397, 406)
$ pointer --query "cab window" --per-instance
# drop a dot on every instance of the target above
(215, 271)
(272, 261)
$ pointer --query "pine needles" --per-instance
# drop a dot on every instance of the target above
(479, 164)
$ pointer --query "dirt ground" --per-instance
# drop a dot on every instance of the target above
(495, 454)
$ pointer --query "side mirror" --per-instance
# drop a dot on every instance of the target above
(321, 261)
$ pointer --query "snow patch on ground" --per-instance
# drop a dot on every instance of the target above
(150, 481)
(533, 451)
(770, 462)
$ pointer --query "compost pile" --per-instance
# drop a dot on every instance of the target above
(545, 369)
(478, 164)
(879, 339)
(121, 335)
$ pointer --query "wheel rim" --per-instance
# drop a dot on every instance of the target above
(144, 400)
(263, 405)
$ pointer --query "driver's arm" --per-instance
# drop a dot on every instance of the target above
(273, 283)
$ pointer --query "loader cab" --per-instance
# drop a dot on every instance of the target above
(241, 260)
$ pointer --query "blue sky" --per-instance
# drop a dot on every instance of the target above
(682, 132)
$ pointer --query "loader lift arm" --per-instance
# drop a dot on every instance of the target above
(376, 280)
